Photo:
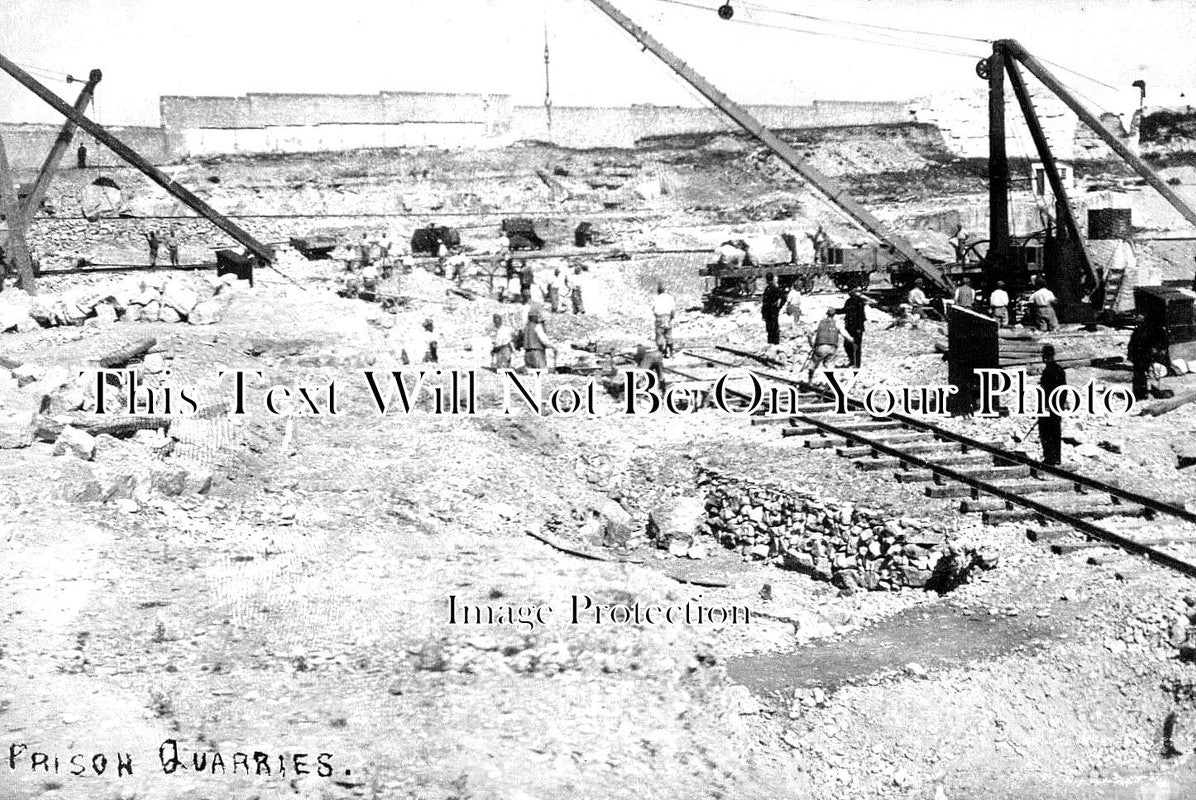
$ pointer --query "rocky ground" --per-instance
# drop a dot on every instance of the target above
(280, 584)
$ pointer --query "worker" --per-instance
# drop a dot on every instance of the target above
(824, 342)
(556, 285)
(649, 357)
(1050, 426)
(347, 257)
(1149, 351)
(527, 278)
(384, 245)
(664, 311)
(367, 250)
(504, 242)
(960, 240)
(965, 295)
(536, 341)
(998, 301)
(770, 308)
(502, 344)
(916, 299)
(441, 257)
(1044, 301)
(369, 278)
(822, 244)
(576, 290)
(457, 265)
(172, 247)
(854, 313)
(81, 156)
(152, 239)
(793, 304)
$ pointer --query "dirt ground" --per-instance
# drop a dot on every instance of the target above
(301, 604)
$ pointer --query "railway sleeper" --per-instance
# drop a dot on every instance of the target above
(868, 463)
(860, 427)
(992, 472)
(914, 448)
(997, 516)
(954, 489)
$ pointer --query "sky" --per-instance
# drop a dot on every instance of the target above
(148, 48)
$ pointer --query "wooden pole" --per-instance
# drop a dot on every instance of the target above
(135, 159)
(998, 164)
(1138, 165)
(829, 188)
(17, 248)
(50, 166)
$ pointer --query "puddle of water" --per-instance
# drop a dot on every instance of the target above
(933, 636)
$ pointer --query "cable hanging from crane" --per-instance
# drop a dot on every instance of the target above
(890, 42)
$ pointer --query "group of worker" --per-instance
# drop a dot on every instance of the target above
(1042, 302)
(523, 286)
(532, 338)
(156, 241)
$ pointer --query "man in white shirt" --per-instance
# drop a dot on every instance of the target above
(664, 309)
(916, 299)
(1044, 301)
(998, 301)
(577, 284)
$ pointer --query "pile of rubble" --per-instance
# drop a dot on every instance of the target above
(154, 297)
(851, 547)
(109, 458)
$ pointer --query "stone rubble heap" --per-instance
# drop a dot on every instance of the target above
(853, 548)
(152, 297)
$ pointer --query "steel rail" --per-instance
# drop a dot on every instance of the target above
(1154, 504)
(1059, 515)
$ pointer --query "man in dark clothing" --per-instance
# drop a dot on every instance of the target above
(1050, 427)
(1140, 354)
(526, 278)
(81, 156)
(853, 312)
(770, 308)
(152, 239)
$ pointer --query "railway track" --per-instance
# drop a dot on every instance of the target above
(998, 485)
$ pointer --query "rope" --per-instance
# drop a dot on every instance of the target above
(830, 34)
(876, 26)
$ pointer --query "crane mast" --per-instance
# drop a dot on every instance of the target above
(829, 188)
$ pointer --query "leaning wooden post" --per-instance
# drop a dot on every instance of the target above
(10, 206)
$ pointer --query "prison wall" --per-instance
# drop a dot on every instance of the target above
(264, 122)
(29, 143)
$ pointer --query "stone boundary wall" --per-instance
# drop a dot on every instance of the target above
(315, 122)
(853, 548)
(29, 143)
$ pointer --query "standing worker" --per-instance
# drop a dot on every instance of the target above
(854, 313)
(1050, 426)
(770, 308)
(81, 156)
(965, 295)
(527, 279)
(555, 283)
(824, 341)
(664, 311)
(172, 247)
(1044, 306)
(501, 344)
(793, 304)
(575, 293)
(821, 243)
(998, 301)
(536, 341)
(152, 239)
